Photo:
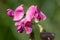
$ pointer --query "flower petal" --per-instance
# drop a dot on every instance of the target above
(28, 30)
(20, 29)
(30, 13)
(21, 7)
(17, 23)
(37, 17)
(43, 17)
(28, 23)
(39, 14)
(10, 12)
(19, 13)
(20, 22)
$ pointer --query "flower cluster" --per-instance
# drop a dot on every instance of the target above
(25, 23)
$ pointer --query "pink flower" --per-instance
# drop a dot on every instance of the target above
(17, 14)
(10, 12)
(20, 29)
(24, 24)
(34, 12)
(42, 15)
(39, 15)
(28, 30)
(21, 23)
(30, 13)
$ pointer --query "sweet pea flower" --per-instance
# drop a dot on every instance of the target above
(30, 12)
(34, 12)
(20, 29)
(24, 24)
(17, 14)
(39, 15)
(10, 12)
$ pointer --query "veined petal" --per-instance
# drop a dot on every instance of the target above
(28, 30)
(19, 13)
(10, 12)
(30, 13)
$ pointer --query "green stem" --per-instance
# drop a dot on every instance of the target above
(32, 36)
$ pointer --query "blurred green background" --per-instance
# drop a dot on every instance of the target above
(51, 8)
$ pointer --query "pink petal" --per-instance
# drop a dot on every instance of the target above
(21, 7)
(39, 14)
(43, 17)
(22, 21)
(28, 30)
(37, 17)
(30, 13)
(17, 23)
(20, 29)
(28, 23)
(19, 13)
(10, 12)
